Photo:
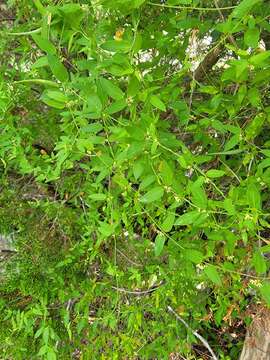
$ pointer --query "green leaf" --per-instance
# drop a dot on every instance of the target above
(255, 126)
(159, 244)
(156, 102)
(265, 292)
(52, 103)
(147, 181)
(133, 86)
(254, 196)
(116, 107)
(229, 206)
(188, 218)
(251, 37)
(54, 98)
(263, 164)
(260, 59)
(41, 62)
(125, 6)
(72, 15)
(111, 89)
(98, 197)
(194, 255)
(254, 96)
(94, 106)
(51, 355)
(232, 142)
(121, 46)
(212, 273)
(106, 229)
(201, 221)
(208, 89)
(259, 263)
(57, 95)
(57, 68)
(199, 197)
(43, 350)
(92, 128)
(39, 332)
(244, 8)
(153, 195)
(241, 69)
(44, 82)
(40, 7)
(45, 334)
(138, 169)
(44, 44)
(215, 173)
(137, 3)
(168, 223)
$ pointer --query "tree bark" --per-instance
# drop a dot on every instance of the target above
(208, 62)
(257, 341)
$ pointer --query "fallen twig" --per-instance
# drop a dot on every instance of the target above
(197, 335)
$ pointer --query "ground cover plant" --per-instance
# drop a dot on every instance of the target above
(135, 163)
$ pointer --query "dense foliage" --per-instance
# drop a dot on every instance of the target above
(135, 163)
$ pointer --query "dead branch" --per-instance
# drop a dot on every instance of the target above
(197, 335)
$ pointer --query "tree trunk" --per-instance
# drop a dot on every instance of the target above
(257, 341)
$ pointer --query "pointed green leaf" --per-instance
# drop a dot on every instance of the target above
(215, 173)
(199, 197)
(244, 8)
(116, 106)
(106, 229)
(254, 96)
(153, 195)
(94, 106)
(156, 102)
(44, 44)
(251, 37)
(111, 89)
(260, 59)
(43, 350)
(194, 255)
(229, 206)
(98, 197)
(54, 99)
(159, 244)
(44, 82)
(147, 181)
(133, 86)
(212, 273)
(254, 196)
(232, 142)
(254, 128)
(41, 62)
(117, 46)
(188, 218)
(57, 68)
(259, 263)
(168, 223)
(265, 292)
(138, 169)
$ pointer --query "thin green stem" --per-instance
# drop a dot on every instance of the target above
(190, 7)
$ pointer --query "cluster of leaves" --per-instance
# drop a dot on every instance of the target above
(136, 160)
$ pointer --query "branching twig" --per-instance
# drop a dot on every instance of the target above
(139, 292)
(197, 335)
(128, 259)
